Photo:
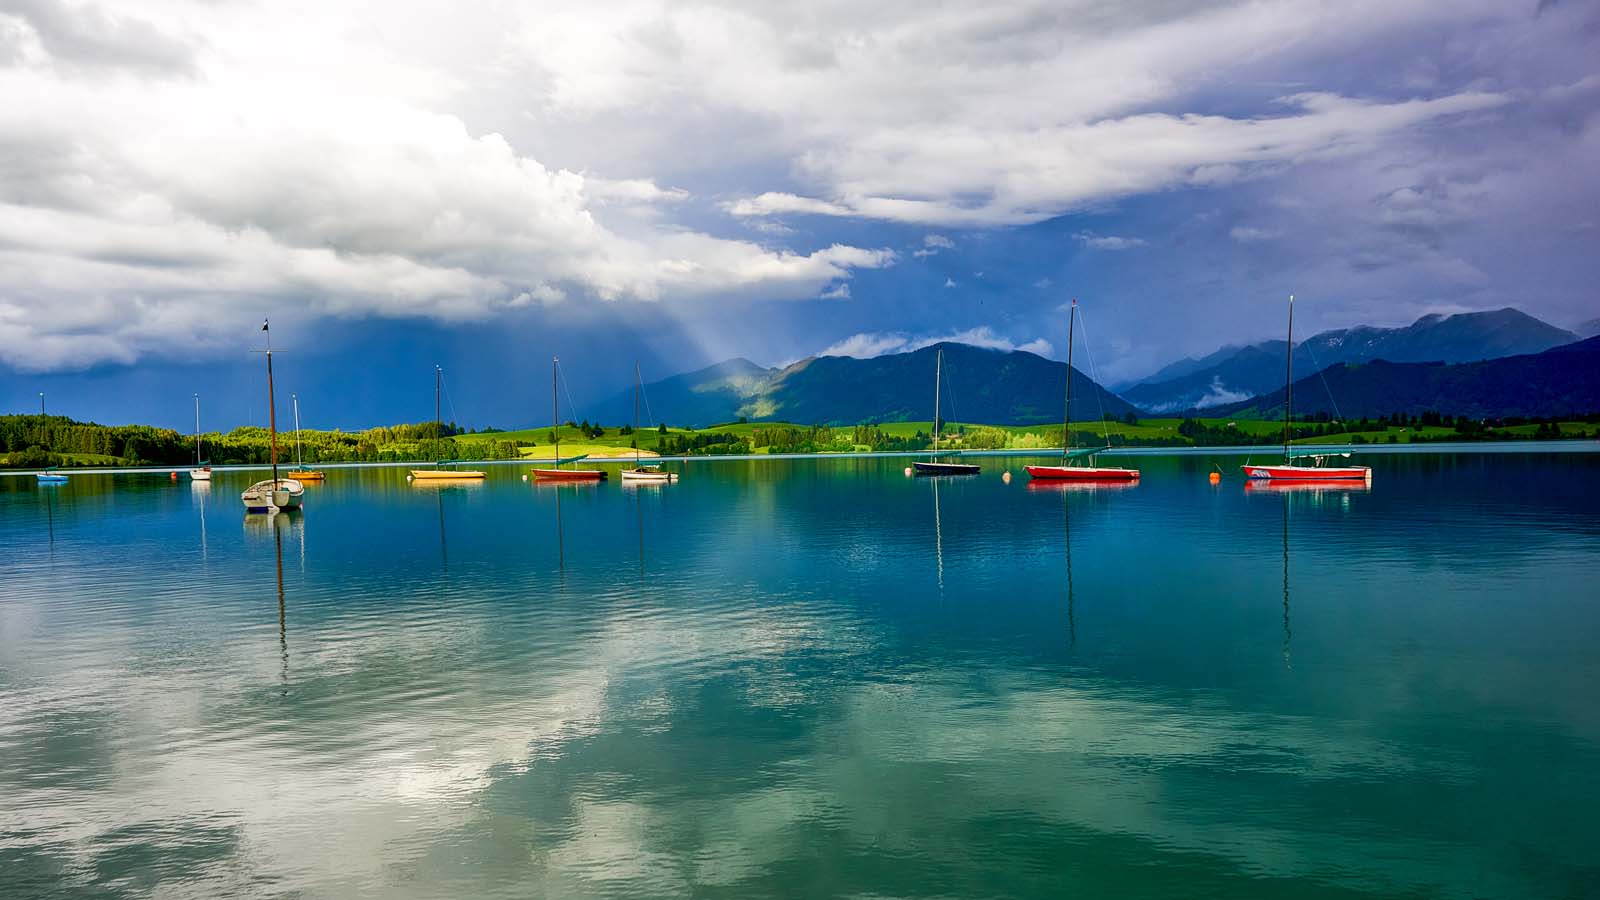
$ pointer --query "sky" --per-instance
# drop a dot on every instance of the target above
(483, 186)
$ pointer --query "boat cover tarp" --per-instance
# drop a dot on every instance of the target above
(1302, 452)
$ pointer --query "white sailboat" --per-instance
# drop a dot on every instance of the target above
(201, 471)
(641, 472)
(439, 474)
(275, 494)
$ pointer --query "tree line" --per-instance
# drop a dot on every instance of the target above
(35, 441)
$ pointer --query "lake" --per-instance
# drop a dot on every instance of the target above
(807, 678)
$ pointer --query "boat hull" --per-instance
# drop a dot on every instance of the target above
(1082, 473)
(1307, 473)
(939, 468)
(446, 474)
(50, 479)
(649, 474)
(273, 496)
(201, 474)
(307, 475)
(569, 474)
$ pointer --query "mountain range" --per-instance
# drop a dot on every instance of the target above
(1489, 364)
(981, 385)
(1560, 381)
(1234, 374)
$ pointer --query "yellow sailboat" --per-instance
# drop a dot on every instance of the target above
(438, 474)
(301, 472)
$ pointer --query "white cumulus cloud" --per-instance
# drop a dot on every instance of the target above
(1108, 241)
(869, 344)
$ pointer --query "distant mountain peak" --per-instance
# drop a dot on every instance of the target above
(1435, 337)
(992, 385)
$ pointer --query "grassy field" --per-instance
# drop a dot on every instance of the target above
(87, 459)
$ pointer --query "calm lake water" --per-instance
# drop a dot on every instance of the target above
(808, 679)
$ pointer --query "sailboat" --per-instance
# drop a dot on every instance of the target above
(1087, 470)
(301, 473)
(641, 472)
(275, 494)
(933, 466)
(201, 471)
(555, 472)
(1290, 470)
(441, 474)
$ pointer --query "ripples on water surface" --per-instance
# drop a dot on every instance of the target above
(806, 678)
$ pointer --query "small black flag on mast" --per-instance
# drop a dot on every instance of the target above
(263, 324)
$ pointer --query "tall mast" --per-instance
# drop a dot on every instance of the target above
(299, 461)
(1066, 428)
(272, 408)
(555, 407)
(636, 415)
(938, 376)
(197, 429)
(1288, 379)
(438, 415)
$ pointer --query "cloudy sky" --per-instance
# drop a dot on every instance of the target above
(484, 185)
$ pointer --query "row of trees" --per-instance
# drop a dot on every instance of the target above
(33, 441)
(702, 443)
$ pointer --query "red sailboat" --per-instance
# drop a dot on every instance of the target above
(1319, 458)
(555, 472)
(1087, 470)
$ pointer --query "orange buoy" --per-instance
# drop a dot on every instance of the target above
(174, 476)
(1006, 476)
(1216, 477)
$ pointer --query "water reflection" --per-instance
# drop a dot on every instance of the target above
(199, 492)
(1313, 495)
(292, 521)
(50, 517)
(1066, 544)
(1287, 634)
(785, 707)
(938, 536)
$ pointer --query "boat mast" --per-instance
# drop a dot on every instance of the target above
(555, 408)
(272, 408)
(197, 430)
(636, 415)
(938, 375)
(299, 463)
(1066, 426)
(1288, 379)
(438, 415)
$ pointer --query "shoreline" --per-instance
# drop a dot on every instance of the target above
(1584, 445)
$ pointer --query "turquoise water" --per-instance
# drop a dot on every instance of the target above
(807, 678)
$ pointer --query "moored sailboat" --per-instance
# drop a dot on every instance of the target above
(933, 466)
(555, 472)
(1320, 468)
(275, 494)
(201, 471)
(1087, 470)
(300, 472)
(641, 472)
(439, 473)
